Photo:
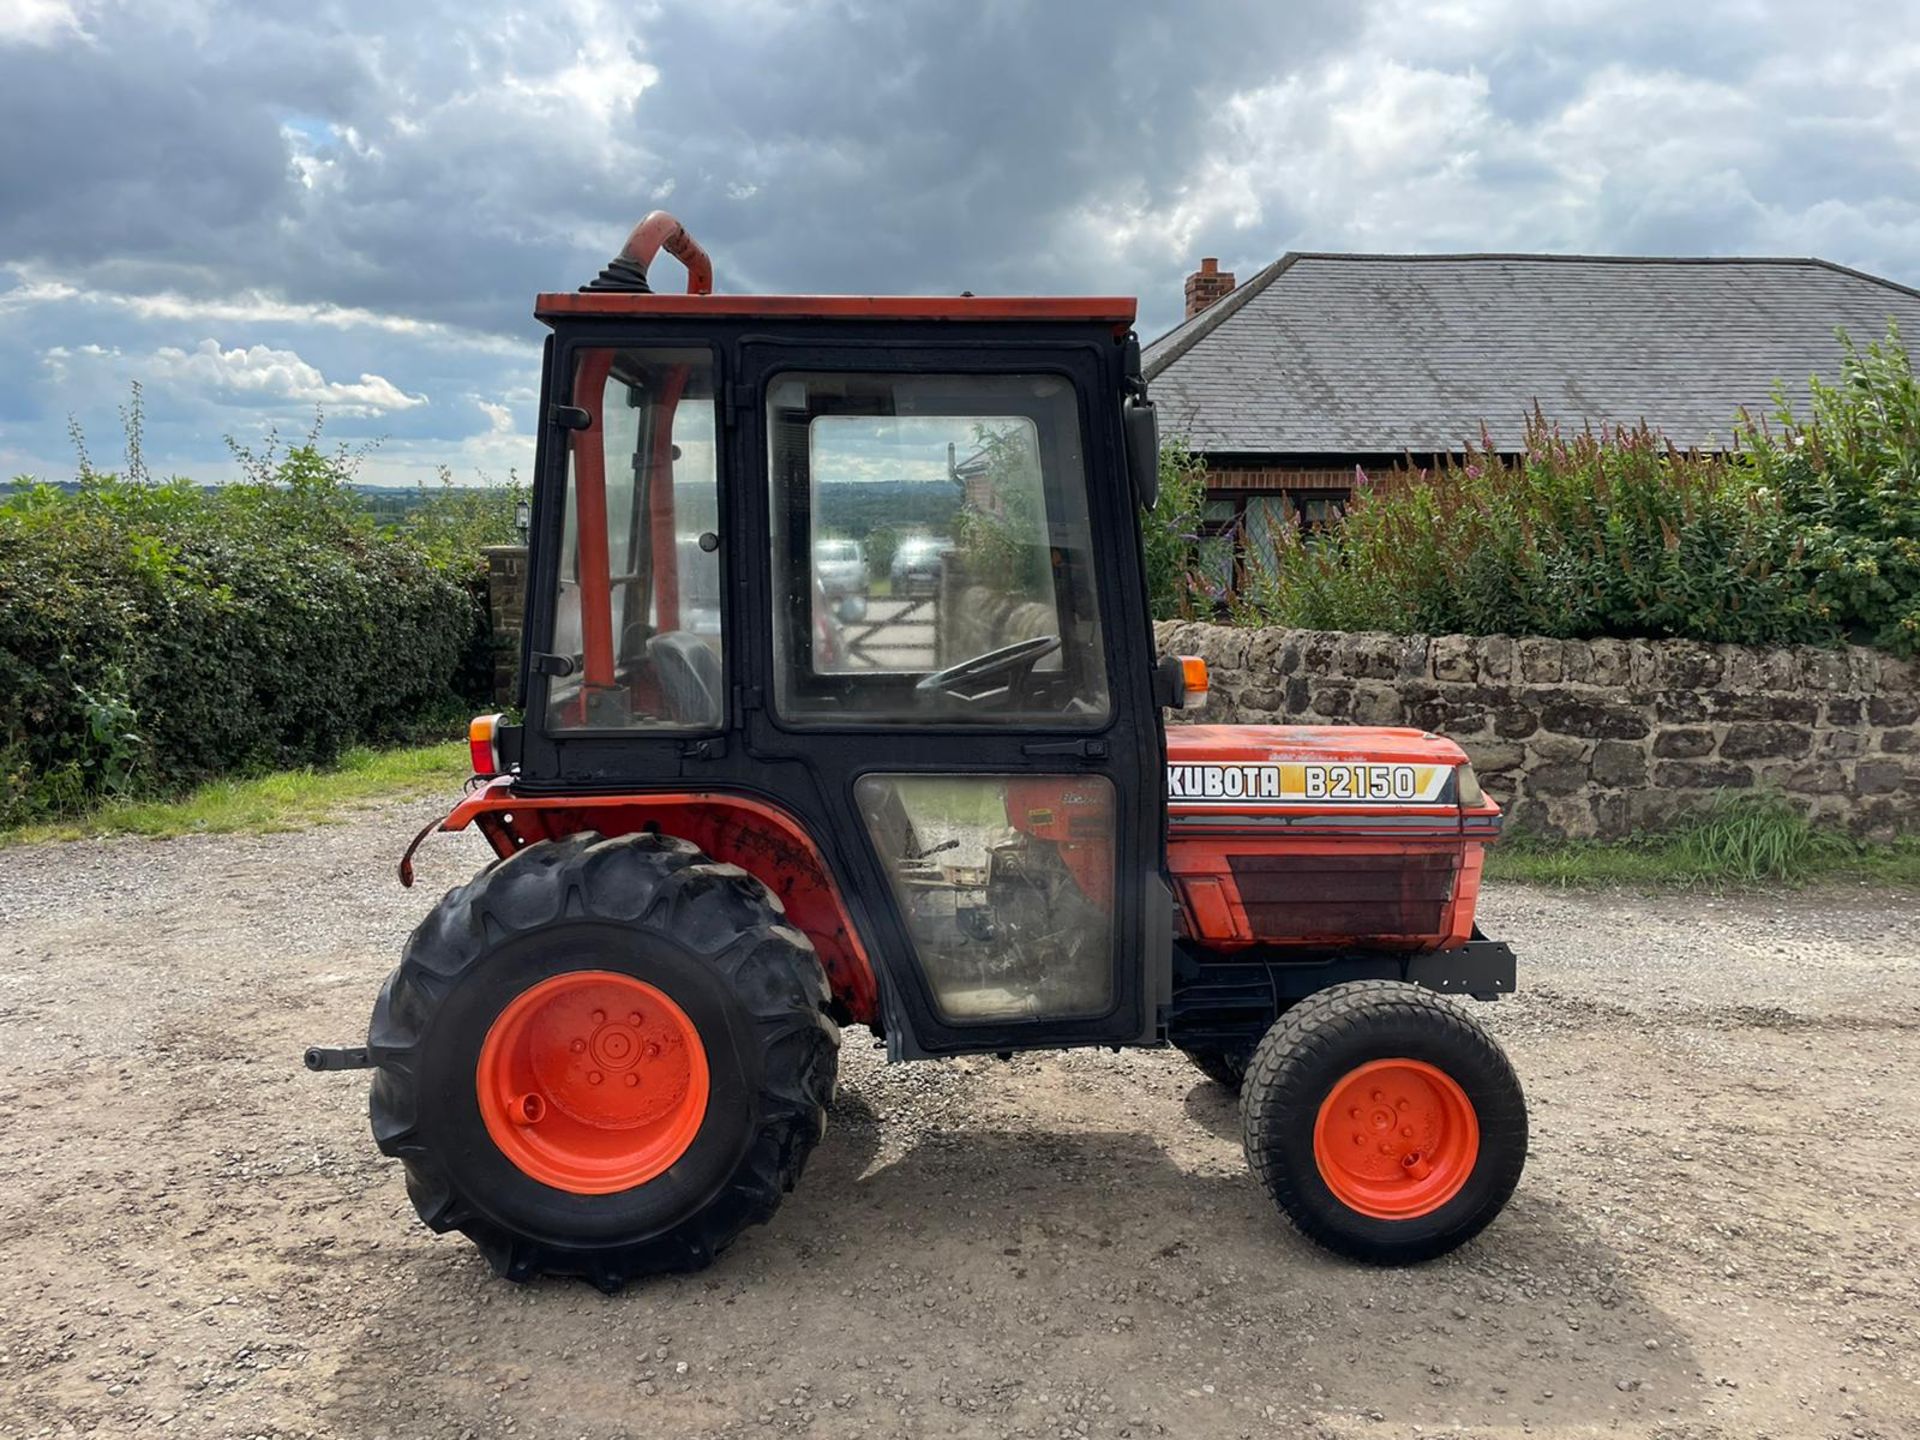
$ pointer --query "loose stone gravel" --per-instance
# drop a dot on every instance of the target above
(1717, 1234)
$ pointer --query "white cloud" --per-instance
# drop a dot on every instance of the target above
(259, 374)
(61, 360)
(1358, 146)
(1409, 143)
(603, 78)
(39, 22)
(248, 309)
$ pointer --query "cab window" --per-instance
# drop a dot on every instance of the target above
(931, 549)
(637, 609)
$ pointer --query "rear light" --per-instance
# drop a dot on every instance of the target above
(482, 731)
(1193, 682)
(1467, 788)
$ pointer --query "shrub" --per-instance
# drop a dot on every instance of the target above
(1170, 533)
(152, 635)
(454, 525)
(1811, 535)
(1850, 479)
(1598, 535)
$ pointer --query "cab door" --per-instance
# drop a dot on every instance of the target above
(951, 661)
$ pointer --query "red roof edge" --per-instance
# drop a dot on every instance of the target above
(1115, 310)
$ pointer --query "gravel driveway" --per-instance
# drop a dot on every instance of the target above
(1718, 1234)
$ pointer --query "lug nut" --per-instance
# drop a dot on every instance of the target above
(632, 1080)
(594, 1077)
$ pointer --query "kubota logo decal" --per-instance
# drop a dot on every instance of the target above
(1317, 784)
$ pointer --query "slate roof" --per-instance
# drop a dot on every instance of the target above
(1384, 354)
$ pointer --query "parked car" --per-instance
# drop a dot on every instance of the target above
(917, 564)
(840, 567)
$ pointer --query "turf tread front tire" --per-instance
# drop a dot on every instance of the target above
(627, 893)
(1317, 1041)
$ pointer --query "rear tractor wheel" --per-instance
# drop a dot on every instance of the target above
(1385, 1123)
(603, 1058)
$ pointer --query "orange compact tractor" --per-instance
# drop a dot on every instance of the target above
(841, 707)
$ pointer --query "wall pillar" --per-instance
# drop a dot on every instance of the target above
(506, 611)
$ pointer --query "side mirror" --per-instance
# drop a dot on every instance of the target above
(850, 609)
(1181, 682)
(1142, 427)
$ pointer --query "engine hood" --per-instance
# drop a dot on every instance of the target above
(1280, 744)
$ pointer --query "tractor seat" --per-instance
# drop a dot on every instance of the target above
(688, 672)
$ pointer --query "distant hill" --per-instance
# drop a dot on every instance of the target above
(856, 507)
(853, 508)
(386, 503)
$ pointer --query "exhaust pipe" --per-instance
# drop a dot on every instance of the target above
(627, 271)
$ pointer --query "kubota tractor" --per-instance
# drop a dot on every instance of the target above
(748, 806)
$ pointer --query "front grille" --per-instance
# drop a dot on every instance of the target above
(1304, 896)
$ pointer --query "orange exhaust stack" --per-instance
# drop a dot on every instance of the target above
(627, 271)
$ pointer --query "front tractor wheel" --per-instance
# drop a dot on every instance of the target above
(1385, 1123)
(603, 1058)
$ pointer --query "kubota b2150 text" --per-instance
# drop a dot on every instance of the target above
(771, 783)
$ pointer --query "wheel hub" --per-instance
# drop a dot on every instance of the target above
(592, 1082)
(1396, 1139)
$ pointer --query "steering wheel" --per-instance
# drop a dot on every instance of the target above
(1009, 660)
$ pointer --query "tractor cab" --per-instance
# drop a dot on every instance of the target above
(724, 484)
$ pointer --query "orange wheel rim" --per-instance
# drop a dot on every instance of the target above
(1396, 1139)
(592, 1082)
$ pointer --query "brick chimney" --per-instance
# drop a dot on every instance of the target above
(1206, 285)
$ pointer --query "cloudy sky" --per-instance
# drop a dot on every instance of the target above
(259, 207)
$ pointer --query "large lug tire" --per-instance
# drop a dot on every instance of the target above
(1223, 1067)
(636, 962)
(1386, 1124)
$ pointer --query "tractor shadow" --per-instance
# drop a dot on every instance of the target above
(1214, 1109)
(1112, 1248)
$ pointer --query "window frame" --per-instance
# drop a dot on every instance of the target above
(1233, 528)
(1099, 648)
(552, 490)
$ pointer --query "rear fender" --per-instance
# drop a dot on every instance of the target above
(762, 839)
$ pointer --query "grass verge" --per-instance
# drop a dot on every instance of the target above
(285, 800)
(1744, 840)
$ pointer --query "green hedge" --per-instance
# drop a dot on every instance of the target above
(152, 635)
(1809, 533)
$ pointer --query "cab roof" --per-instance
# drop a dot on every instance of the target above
(1115, 310)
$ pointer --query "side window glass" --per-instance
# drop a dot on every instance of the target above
(637, 609)
(932, 551)
(1006, 883)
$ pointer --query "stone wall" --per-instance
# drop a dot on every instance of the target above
(507, 606)
(1600, 737)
